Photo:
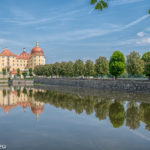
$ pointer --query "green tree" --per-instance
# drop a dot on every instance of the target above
(79, 68)
(18, 72)
(69, 69)
(146, 58)
(4, 72)
(39, 70)
(135, 65)
(117, 64)
(50, 70)
(24, 74)
(24, 91)
(4, 92)
(62, 69)
(56, 68)
(101, 4)
(117, 114)
(30, 72)
(102, 66)
(89, 68)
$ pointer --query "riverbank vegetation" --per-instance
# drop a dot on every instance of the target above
(133, 66)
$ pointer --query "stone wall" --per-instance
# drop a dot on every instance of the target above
(4, 82)
(106, 84)
(17, 82)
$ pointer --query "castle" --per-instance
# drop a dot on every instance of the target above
(11, 62)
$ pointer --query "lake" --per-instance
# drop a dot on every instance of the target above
(64, 118)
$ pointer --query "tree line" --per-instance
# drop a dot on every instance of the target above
(133, 64)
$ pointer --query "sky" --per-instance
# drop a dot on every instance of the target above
(72, 29)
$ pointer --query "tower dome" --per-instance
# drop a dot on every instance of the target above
(37, 50)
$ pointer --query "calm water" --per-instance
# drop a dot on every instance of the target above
(65, 119)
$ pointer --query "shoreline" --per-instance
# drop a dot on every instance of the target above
(99, 84)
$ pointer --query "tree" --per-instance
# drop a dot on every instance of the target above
(89, 68)
(62, 69)
(4, 71)
(24, 91)
(117, 64)
(50, 70)
(135, 65)
(24, 74)
(79, 68)
(146, 58)
(39, 70)
(69, 70)
(102, 66)
(4, 92)
(18, 72)
(56, 68)
(30, 72)
(101, 4)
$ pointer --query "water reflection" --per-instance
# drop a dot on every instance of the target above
(130, 113)
(13, 97)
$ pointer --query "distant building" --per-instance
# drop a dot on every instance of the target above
(24, 61)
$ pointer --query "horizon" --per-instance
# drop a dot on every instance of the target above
(72, 30)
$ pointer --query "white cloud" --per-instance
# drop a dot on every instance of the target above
(140, 34)
(89, 33)
(2, 41)
(144, 41)
(135, 22)
(23, 18)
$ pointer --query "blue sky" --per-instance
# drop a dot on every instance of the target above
(71, 29)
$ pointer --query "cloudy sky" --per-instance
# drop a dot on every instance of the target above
(71, 29)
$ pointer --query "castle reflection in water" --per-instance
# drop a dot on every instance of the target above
(122, 109)
(12, 97)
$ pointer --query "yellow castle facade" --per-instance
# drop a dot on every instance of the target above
(11, 62)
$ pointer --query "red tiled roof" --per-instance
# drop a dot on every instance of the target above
(37, 109)
(23, 55)
(15, 72)
(8, 108)
(7, 52)
(37, 51)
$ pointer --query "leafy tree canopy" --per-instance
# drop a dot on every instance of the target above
(135, 65)
(117, 64)
(101, 4)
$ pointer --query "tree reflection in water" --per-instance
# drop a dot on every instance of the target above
(103, 108)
